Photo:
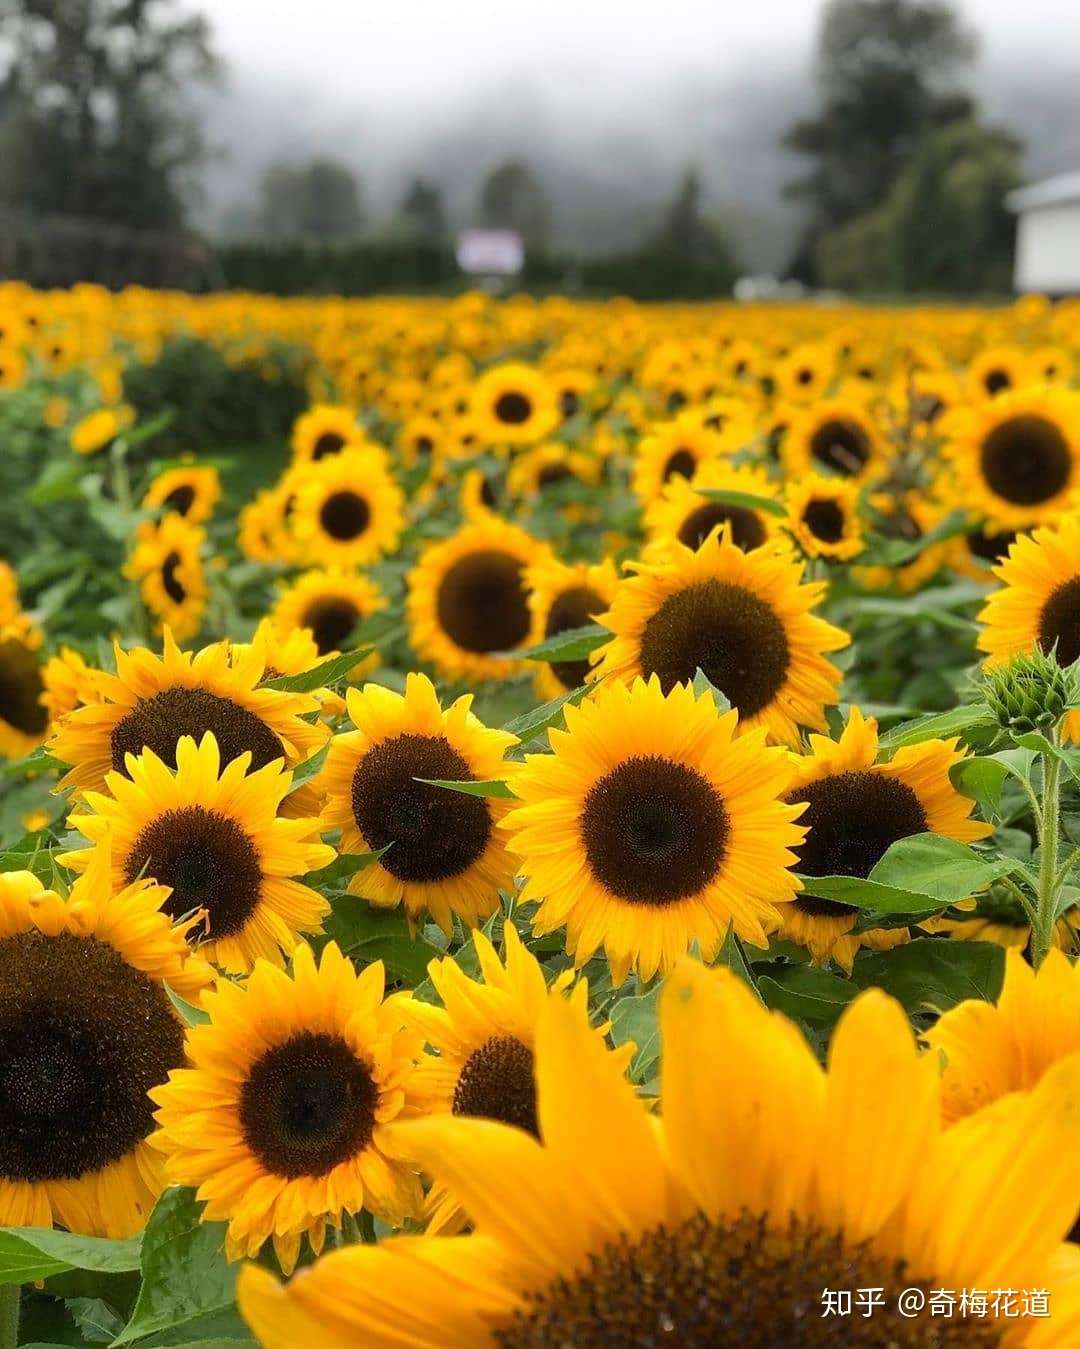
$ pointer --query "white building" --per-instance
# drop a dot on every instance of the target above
(1048, 235)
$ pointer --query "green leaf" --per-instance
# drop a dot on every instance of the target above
(309, 769)
(191, 1016)
(937, 726)
(321, 676)
(805, 992)
(29, 1253)
(883, 552)
(933, 975)
(732, 956)
(95, 1318)
(703, 684)
(494, 787)
(531, 725)
(185, 1273)
(139, 435)
(59, 481)
(982, 779)
(342, 868)
(571, 644)
(749, 501)
(366, 933)
(635, 1018)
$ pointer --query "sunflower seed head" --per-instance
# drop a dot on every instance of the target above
(1031, 693)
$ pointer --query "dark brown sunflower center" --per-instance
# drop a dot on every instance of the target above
(655, 831)
(487, 493)
(307, 1105)
(331, 621)
(170, 581)
(345, 516)
(157, 723)
(853, 819)
(1059, 622)
(990, 547)
(433, 833)
(180, 499)
(569, 402)
(83, 1037)
(1026, 460)
(21, 688)
(996, 380)
(573, 608)
(330, 442)
(745, 526)
(497, 1082)
(732, 1285)
(551, 474)
(680, 464)
(481, 603)
(842, 446)
(825, 520)
(209, 862)
(724, 630)
(513, 408)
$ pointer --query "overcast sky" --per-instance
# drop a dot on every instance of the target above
(363, 49)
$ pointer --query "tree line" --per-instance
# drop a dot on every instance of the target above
(903, 190)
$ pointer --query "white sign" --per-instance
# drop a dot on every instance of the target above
(490, 252)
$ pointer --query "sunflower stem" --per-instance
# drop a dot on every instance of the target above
(121, 485)
(1042, 936)
(10, 1295)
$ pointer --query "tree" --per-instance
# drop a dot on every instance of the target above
(423, 212)
(93, 121)
(944, 226)
(320, 200)
(684, 232)
(511, 198)
(884, 73)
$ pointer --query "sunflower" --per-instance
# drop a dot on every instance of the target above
(467, 599)
(1016, 458)
(906, 517)
(420, 441)
(837, 435)
(68, 682)
(551, 465)
(191, 492)
(805, 374)
(24, 717)
(282, 1118)
(86, 1027)
(855, 809)
(718, 1223)
(152, 701)
(477, 499)
(981, 548)
(348, 510)
(682, 512)
(324, 431)
(999, 918)
(988, 1051)
(484, 1035)
(1039, 602)
(652, 826)
(98, 429)
(214, 837)
(444, 854)
(676, 449)
(562, 597)
(329, 603)
(743, 619)
(513, 404)
(823, 516)
(996, 371)
(167, 563)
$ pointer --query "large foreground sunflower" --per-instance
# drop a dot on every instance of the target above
(86, 1028)
(721, 1223)
(152, 701)
(855, 809)
(443, 853)
(1039, 602)
(214, 837)
(563, 597)
(652, 826)
(281, 1119)
(484, 1035)
(1016, 458)
(467, 599)
(744, 619)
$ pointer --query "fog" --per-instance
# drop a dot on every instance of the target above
(608, 101)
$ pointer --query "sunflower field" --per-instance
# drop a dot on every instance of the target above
(538, 823)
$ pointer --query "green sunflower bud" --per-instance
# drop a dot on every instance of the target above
(1031, 693)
